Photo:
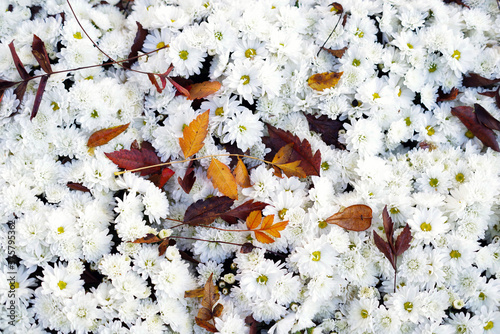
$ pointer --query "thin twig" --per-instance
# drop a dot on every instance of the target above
(321, 48)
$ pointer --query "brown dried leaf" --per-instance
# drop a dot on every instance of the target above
(322, 81)
(336, 53)
(19, 64)
(354, 218)
(162, 248)
(40, 54)
(187, 182)
(210, 294)
(222, 179)
(203, 89)
(337, 7)
(283, 154)
(77, 186)
(241, 175)
(475, 80)
(204, 314)
(388, 226)
(485, 118)
(39, 94)
(292, 169)
(490, 93)
(150, 238)
(196, 293)
(242, 211)
(205, 211)
(403, 241)
(246, 248)
(194, 134)
(469, 119)
(19, 92)
(102, 137)
(206, 325)
(218, 310)
(452, 95)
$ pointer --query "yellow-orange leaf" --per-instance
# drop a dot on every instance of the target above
(321, 81)
(203, 89)
(241, 175)
(253, 219)
(267, 222)
(354, 218)
(194, 134)
(283, 154)
(292, 169)
(103, 136)
(264, 238)
(222, 179)
(276, 228)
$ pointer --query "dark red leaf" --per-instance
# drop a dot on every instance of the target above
(77, 186)
(40, 54)
(188, 180)
(19, 92)
(179, 88)
(205, 211)
(246, 248)
(497, 97)
(166, 174)
(162, 248)
(242, 211)
(490, 93)
(19, 64)
(388, 226)
(152, 78)
(327, 128)
(385, 248)
(140, 37)
(485, 118)
(4, 84)
(469, 119)
(39, 94)
(135, 145)
(403, 241)
(150, 238)
(452, 95)
(475, 80)
(458, 2)
(310, 163)
(337, 7)
(186, 257)
(136, 158)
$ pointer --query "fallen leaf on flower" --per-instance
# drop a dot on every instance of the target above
(242, 211)
(209, 306)
(292, 169)
(322, 81)
(39, 93)
(40, 53)
(19, 64)
(136, 158)
(336, 53)
(205, 211)
(254, 219)
(196, 293)
(475, 80)
(188, 180)
(162, 248)
(103, 136)
(194, 134)
(452, 95)
(385, 248)
(240, 173)
(150, 238)
(403, 241)
(327, 128)
(336, 7)
(485, 118)
(354, 218)
(469, 119)
(203, 89)
(283, 154)
(77, 186)
(140, 37)
(222, 178)
(246, 248)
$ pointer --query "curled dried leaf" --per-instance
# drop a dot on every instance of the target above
(354, 218)
(322, 81)
(102, 137)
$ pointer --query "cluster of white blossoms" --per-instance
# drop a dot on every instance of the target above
(75, 267)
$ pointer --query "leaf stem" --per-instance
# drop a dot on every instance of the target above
(321, 48)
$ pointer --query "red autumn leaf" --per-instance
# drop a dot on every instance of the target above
(469, 119)
(166, 174)
(162, 248)
(354, 218)
(385, 248)
(159, 88)
(485, 118)
(77, 186)
(242, 211)
(39, 94)
(150, 238)
(458, 2)
(140, 37)
(388, 226)
(102, 137)
(136, 158)
(327, 128)
(203, 89)
(19, 64)
(19, 92)
(475, 80)
(490, 93)
(336, 53)
(337, 7)
(40, 54)
(403, 241)
(179, 88)
(301, 150)
(246, 248)
(452, 95)
(205, 211)
(188, 180)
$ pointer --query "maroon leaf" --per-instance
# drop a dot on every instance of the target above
(152, 78)
(497, 97)
(19, 92)
(469, 119)
(337, 7)
(19, 64)
(40, 54)
(385, 248)
(188, 180)
(242, 211)
(452, 95)
(388, 226)
(39, 94)
(247, 247)
(136, 158)
(458, 2)
(140, 37)
(327, 128)
(310, 163)
(77, 186)
(475, 80)
(4, 84)
(485, 118)
(205, 211)
(403, 241)
(490, 93)
(179, 88)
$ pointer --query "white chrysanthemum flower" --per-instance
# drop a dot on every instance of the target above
(426, 224)
(315, 258)
(243, 127)
(57, 281)
(244, 77)
(364, 136)
(173, 278)
(186, 59)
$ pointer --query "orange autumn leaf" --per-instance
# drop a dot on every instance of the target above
(203, 89)
(103, 136)
(254, 219)
(194, 134)
(353, 218)
(267, 227)
(222, 179)
(263, 238)
(321, 81)
(292, 169)
(283, 154)
(241, 175)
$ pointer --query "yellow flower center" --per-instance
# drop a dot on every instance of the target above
(469, 134)
(425, 227)
(456, 54)
(433, 182)
(282, 213)
(77, 35)
(60, 230)
(408, 121)
(262, 279)
(460, 177)
(325, 166)
(183, 55)
(54, 106)
(430, 130)
(160, 45)
(455, 254)
(94, 114)
(245, 79)
(322, 224)
(408, 306)
(489, 325)
(62, 285)
(364, 314)
(433, 67)
(409, 46)
(219, 111)
(316, 256)
(250, 53)
(376, 96)
(356, 62)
